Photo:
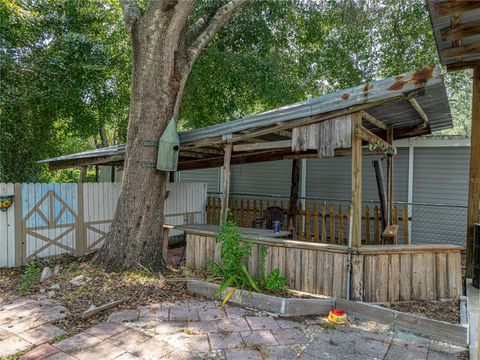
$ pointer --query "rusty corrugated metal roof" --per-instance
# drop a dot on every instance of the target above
(386, 99)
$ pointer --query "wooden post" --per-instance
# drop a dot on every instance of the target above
(80, 235)
(226, 181)
(356, 182)
(390, 175)
(292, 209)
(83, 174)
(474, 183)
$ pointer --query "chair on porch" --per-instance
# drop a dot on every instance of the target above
(271, 214)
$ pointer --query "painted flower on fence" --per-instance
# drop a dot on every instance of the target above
(5, 202)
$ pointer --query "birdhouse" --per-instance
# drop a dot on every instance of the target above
(168, 148)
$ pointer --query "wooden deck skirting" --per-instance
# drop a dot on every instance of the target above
(379, 273)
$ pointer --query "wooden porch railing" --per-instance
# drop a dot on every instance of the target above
(325, 222)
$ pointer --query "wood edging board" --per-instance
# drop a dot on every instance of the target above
(432, 329)
(274, 304)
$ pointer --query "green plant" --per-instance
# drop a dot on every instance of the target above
(59, 338)
(262, 252)
(274, 281)
(74, 266)
(30, 276)
(231, 270)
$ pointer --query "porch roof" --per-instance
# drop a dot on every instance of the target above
(414, 103)
(456, 27)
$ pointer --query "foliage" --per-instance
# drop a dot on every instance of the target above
(262, 255)
(64, 72)
(231, 270)
(30, 277)
(65, 68)
(74, 266)
(274, 281)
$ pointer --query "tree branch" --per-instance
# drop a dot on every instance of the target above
(131, 13)
(216, 22)
(186, 58)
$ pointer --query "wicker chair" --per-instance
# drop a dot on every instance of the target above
(271, 214)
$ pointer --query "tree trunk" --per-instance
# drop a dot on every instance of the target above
(135, 237)
(162, 60)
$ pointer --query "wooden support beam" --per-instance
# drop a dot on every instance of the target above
(474, 182)
(419, 109)
(64, 164)
(226, 181)
(371, 138)
(390, 176)
(292, 209)
(461, 31)
(83, 174)
(356, 181)
(452, 8)
(462, 65)
(193, 154)
(461, 50)
(203, 150)
(373, 120)
(286, 133)
(338, 153)
(263, 146)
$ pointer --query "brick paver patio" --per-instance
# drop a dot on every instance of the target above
(199, 330)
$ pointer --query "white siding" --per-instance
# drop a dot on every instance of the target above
(272, 177)
(211, 176)
(330, 178)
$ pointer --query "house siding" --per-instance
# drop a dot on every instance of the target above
(440, 177)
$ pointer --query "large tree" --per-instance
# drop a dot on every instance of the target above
(64, 74)
(167, 37)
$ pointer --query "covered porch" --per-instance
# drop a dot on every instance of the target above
(349, 251)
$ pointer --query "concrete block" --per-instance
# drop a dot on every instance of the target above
(264, 302)
(367, 311)
(433, 329)
(308, 306)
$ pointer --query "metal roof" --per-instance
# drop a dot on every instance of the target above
(456, 26)
(396, 87)
(389, 100)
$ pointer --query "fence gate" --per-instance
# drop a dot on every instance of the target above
(54, 219)
(49, 220)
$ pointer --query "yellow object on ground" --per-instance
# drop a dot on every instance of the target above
(337, 316)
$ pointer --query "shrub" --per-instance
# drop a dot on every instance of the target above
(231, 269)
(30, 277)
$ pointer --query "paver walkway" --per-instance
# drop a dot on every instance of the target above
(200, 329)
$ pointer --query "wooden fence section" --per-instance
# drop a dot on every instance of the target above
(325, 222)
(379, 273)
(404, 273)
(48, 220)
(306, 269)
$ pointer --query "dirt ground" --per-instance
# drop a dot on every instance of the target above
(99, 287)
(142, 288)
(448, 310)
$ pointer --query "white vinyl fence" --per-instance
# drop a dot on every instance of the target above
(47, 220)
